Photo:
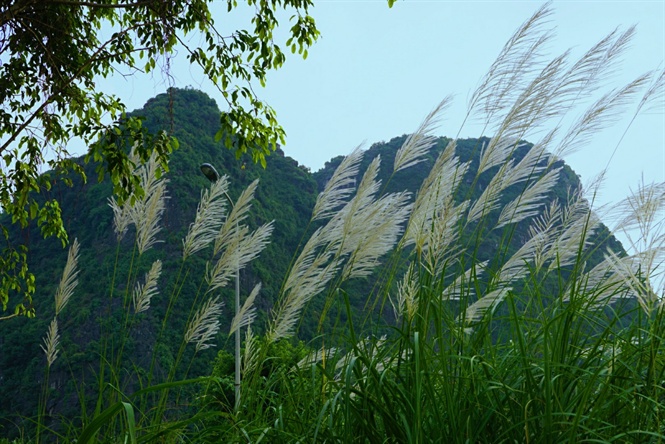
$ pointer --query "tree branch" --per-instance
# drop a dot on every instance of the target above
(102, 5)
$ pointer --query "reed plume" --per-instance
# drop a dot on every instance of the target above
(69, 280)
(203, 327)
(245, 316)
(144, 293)
(51, 342)
(210, 214)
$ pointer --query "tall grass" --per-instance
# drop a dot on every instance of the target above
(534, 345)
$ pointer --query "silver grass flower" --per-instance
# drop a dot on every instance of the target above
(305, 273)
(419, 143)
(148, 214)
(442, 235)
(578, 223)
(542, 230)
(122, 218)
(606, 282)
(144, 293)
(245, 316)
(230, 229)
(51, 342)
(530, 165)
(311, 272)
(495, 152)
(622, 277)
(339, 187)
(323, 354)
(477, 311)
(144, 210)
(599, 115)
(653, 97)
(436, 190)
(639, 215)
(210, 214)
(489, 198)
(582, 79)
(288, 312)
(241, 250)
(527, 203)
(463, 284)
(516, 60)
(68, 282)
(203, 327)
(407, 295)
(517, 266)
(251, 355)
(378, 233)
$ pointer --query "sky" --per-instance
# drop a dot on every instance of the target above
(377, 71)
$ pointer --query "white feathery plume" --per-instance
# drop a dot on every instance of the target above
(144, 293)
(148, 215)
(599, 115)
(439, 186)
(620, 277)
(364, 197)
(641, 212)
(209, 216)
(51, 342)
(369, 227)
(247, 313)
(489, 198)
(606, 282)
(122, 217)
(654, 94)
(229, 229)
(462, 283)
(251, 355)
(240, 250)
(345, 221)
(315, 278)
(527, 203)
(582, 79)
(311, 272)
(578, 224)
(407, 295)
(320, 355)
(339, 187)
(143, 209)
(532, 164)
(441, 242)
(542, 230)
(382, 223)
(418, 144)
(496, 152)
(517, 266)
(516, 60)
(476, 311)
(68, 282)
(205, 324)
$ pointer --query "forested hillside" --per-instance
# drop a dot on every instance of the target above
(286, 194)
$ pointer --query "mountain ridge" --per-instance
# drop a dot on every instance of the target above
(286, 194)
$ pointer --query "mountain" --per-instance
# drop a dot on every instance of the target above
(93, 322)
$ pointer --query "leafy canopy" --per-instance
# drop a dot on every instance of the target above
(52, 52)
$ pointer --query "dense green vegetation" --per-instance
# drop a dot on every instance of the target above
(285, 194)
(427, 290)
(55, 51)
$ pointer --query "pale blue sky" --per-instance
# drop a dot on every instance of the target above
(376, 72)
